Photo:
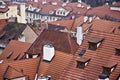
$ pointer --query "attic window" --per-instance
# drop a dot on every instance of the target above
(117, 51)
(95, 43)
(9, 55)
(108, 69)
(82, 63)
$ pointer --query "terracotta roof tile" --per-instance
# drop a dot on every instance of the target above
(15, 49)
(27, 66)
(56, 67)
(103, 56)
(105, 26)
(12, 73)
(98, 11)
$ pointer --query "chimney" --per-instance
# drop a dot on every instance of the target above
(48, 52)
(103, 77)
(35, 0)
(44, 2)
(22, 13)
(85, 18)
(79, 35)
(79, 1)
(90, 19)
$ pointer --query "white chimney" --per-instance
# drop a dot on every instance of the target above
(85, 18)
(90, 19)
(44, 2)
(79, 35)
(22, 13)
(88, 7)
(79, 1)
(48, 52)
(35, 0)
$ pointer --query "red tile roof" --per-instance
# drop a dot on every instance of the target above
(26, 67)
(105, 26)
(103, 56)
(60, 40)
(56, 67)
(15, 49)
(104, 12)
(12, 73)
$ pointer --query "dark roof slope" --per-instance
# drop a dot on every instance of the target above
(12, 31)
(60, 40)
(56, 67)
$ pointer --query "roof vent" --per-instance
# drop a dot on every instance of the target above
(103, 77)
(48, 52)
(95, 43)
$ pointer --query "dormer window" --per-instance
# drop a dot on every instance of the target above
(108, 69)
(117, 51)
(118, 78)
(82, 62)
(95, 43)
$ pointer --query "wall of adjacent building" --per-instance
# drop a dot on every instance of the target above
(29, 34)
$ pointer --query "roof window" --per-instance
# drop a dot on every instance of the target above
(117, 53)
(82, 62)
(108, 69)
(95, 43)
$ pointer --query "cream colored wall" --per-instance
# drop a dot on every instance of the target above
(12, 11)
(2, 15)
(30, 35)
(21, 18)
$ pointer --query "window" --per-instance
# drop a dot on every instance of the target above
(82, 63)
(6, 14)
(108, 69)
(95, 43)
(117, 51)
